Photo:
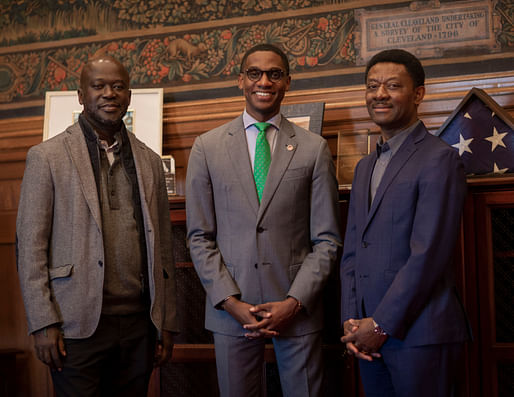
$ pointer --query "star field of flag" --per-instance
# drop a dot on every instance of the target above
(485, 142)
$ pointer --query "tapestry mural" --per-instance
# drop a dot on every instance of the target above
(180, 44)
(28, 21)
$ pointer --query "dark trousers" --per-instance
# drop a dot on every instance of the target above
(116, 360)
(421, 371)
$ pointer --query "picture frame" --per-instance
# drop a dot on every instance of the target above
(168, 164)
(306, 115)
(145, 111)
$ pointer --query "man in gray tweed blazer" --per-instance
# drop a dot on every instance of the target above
(94, 239)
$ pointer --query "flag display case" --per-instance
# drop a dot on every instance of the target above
(483, 133)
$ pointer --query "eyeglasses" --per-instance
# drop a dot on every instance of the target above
(274, 75)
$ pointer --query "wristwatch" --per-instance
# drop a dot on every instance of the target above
(378, 329)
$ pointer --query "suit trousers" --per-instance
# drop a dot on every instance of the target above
(116, 360)
(240, 365)
(421, 371)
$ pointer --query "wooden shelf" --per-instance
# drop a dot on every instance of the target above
(190, 353)
(193, 353)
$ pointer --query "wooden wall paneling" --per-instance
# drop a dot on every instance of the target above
(496, 353)
(19, 133)
(16, 136)
(9, 197)
(486, 293)
(466, 274)
(32, 377)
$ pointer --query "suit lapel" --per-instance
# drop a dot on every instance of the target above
(77, 149)
(397, 163)
(237, 151)
(143, 169)
(368, 172)
(285, 148)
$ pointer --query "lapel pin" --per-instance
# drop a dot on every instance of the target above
(289, 147)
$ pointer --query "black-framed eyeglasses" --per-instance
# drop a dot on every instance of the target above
(274, 75)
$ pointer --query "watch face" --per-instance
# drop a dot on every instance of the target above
(379, 330)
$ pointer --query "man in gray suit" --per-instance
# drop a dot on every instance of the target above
(263, 251)
(94, 238)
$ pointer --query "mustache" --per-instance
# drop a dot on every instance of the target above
(381, 104)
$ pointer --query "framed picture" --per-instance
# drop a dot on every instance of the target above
(168, 163)
(143, 118)
(306, 115)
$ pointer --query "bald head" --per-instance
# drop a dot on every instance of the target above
(104, 92)
(100, 60)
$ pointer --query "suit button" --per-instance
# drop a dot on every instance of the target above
(256, 265)
(364, 244)
(260, 229)
(100, 263)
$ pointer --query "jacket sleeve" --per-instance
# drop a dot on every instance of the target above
(166, 248)
(324, 231)
(347, 266)
(201, 225)
(33, 230)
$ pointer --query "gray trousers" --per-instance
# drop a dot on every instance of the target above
(240, 365)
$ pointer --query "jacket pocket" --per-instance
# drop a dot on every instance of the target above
(295, 173)
(61, 271)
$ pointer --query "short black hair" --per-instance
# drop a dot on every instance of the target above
(265, 47)
(402, 57)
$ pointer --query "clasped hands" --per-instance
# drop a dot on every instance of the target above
(361, 339)
(264, 320)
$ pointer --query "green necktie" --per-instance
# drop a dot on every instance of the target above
(262, 158)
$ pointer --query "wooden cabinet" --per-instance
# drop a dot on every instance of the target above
(492, 229)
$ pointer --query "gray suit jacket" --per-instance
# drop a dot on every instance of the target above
(60, 241)
(283, 247)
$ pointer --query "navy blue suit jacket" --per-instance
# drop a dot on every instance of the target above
(396, 263)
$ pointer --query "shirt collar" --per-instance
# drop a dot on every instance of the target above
(105, 146)
(396, 141)
(249, 120)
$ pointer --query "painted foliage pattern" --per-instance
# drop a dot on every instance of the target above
(168, 60)
(506, 11)
(60, 19)
(319, 41)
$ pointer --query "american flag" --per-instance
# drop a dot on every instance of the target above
(483, 134)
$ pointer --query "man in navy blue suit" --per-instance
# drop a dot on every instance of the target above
(402, 316)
